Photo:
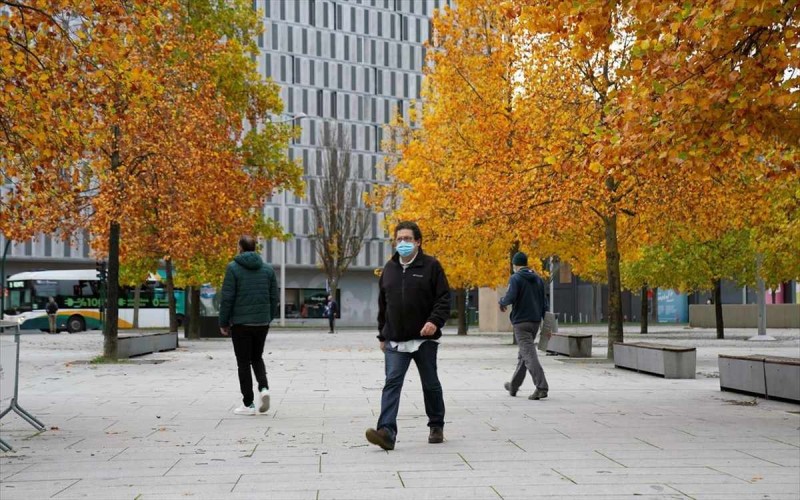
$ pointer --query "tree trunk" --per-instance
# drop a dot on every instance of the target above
(645, 310)
(173, 316)
(614, 285)
(461, 307)
(514, 249)
(112, 294)
(110, 327)
(194, 317)
(718, 308)
(137, 296)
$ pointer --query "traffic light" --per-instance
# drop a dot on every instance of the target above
(102, 271)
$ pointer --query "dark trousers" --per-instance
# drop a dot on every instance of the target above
(396, 367)
(248, 346)
(331, 321)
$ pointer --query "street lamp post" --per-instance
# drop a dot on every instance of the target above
(298, 116)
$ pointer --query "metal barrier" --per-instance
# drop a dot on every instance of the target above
(9, 369)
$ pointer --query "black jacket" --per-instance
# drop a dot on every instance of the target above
(526, 297)
(409, 299)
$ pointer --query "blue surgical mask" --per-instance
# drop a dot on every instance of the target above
(405, 248)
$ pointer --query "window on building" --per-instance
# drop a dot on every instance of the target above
(268, 65)
(359, 49)
(339, 76)
(304, 41)
(282, 7)
(386, 54)
(290, 38)
(312, 12)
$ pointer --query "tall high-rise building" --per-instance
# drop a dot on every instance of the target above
(355, 64)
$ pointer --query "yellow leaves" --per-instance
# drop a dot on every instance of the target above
(595, 167)
(637, 65)
(743, 141)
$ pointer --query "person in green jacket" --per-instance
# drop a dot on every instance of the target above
(249, 302)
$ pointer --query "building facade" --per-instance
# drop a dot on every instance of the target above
(354, 64)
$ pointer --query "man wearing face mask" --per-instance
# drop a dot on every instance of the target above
(413, 305)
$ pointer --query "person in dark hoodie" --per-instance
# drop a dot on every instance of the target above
(413, 305)
(249, 302)
(528, 303)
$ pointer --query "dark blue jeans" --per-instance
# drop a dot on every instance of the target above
(396, 367)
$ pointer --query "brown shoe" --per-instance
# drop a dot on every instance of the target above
(436, 436)
(380, 438)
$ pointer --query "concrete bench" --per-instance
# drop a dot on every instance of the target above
(657, 359)
(129, 346)
(774, 377)
(575, 345)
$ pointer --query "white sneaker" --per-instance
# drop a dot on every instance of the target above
(245, 410)
(264, 405)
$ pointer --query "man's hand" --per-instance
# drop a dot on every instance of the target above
(383, 346)
(502, 308)
(225, 331)
(428, 330)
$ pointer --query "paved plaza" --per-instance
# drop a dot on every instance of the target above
(161, 426)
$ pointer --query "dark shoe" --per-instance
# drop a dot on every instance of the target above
(538, 394)
(511, 392)
(380, 438)
(436, 436)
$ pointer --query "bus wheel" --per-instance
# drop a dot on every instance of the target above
(76, 324)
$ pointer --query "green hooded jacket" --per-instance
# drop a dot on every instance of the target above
(249, 292)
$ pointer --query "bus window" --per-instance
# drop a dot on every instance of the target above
(19, 300)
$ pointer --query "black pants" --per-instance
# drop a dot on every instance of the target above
(331, 321)
(248, 346)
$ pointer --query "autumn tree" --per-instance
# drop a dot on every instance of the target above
(627, 110)
(154, 112)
